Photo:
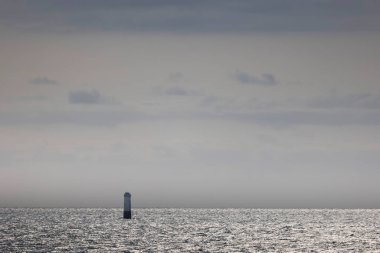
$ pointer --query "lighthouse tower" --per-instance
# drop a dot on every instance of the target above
(127, 206)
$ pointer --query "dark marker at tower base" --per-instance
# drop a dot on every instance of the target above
(127, 214)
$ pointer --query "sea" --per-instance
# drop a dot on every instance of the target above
(189, 230)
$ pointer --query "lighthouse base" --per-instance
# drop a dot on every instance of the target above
(127, 214)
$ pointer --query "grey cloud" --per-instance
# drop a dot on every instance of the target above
(264, 79)
(175, 90)
(289, 118)
(374, 103)
(357, 100)
(177, 87)
(191, 16)
(267, 118)
(178, 91)
(32, 98)
(86, 97)
(87, 118)
(211, 100)
(354, 101)
(292, 118)
(43, 81)
(176, 77)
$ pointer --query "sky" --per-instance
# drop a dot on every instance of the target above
(212, 104)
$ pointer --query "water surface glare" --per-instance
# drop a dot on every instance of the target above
(189, 230)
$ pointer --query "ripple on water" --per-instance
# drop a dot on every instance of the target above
(189, 230)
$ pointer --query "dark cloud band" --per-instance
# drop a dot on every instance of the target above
(191, 16)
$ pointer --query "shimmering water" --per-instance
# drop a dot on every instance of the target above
(189, 230)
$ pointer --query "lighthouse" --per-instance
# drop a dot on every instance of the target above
(127, 206)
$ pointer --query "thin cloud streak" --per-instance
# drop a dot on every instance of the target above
(85, 97)
(175, 90)
(43, 81)
(90, 97)
(358, 100)
(264, 80)
(267, 118)
(82, 118)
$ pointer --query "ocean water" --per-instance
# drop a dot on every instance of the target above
(189, 230)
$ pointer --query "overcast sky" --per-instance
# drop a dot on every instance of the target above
(256, 104)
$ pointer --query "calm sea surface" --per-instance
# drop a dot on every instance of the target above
(189, 230)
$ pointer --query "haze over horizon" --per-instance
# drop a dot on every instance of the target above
(267, 104)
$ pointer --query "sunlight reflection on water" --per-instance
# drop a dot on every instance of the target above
(189, 230)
